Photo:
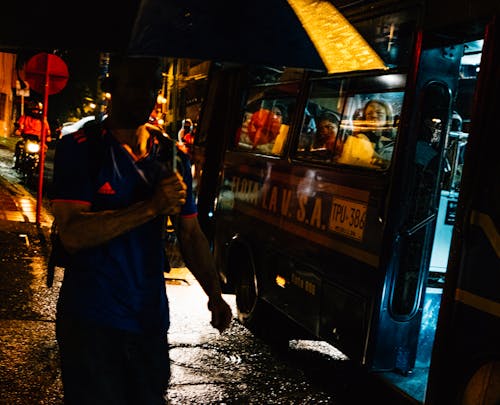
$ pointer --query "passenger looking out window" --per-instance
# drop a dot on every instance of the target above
(372, 140)
(325, 140)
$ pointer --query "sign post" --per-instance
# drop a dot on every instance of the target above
(46, 74)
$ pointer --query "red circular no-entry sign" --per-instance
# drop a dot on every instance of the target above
(44, 66)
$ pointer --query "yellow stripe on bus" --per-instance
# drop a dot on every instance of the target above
(477, 302)
(488, 226)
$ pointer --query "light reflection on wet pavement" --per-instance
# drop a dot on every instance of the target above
(229, 368)
(29, 371)
(207, 367)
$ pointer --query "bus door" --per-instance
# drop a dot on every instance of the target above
(402, 307)
(442, 122)
(465, 367)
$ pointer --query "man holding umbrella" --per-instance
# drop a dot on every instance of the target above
(112, 315)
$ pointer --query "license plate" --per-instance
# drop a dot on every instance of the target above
(347, 218)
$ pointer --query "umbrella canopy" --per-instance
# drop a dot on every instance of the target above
(298, 33)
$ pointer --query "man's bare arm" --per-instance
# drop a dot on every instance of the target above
(199, 260)
(80, 228)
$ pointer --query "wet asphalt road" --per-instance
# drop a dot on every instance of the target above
(207, 367)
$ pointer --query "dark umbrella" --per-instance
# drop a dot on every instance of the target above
(297, 33)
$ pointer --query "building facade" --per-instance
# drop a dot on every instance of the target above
(7, 92)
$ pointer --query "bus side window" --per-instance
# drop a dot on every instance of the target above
(264, 128)
(370, 134)
(318, 140)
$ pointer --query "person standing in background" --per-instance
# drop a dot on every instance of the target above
(185, 134)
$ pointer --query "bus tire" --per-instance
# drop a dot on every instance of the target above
(247, 295)
(254, 313)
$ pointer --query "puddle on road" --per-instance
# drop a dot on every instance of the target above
(319, 347)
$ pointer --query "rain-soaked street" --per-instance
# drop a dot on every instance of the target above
(207, 367)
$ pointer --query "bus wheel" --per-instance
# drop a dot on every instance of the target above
(247, 300)
(257, 315)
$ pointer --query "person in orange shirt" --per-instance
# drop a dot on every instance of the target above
(28, 126)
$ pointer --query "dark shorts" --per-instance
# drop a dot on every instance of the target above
(108, 366)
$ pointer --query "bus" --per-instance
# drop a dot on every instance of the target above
(384, 240)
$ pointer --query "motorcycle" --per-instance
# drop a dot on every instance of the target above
(28, 158)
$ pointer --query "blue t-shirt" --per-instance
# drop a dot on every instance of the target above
(119, 284)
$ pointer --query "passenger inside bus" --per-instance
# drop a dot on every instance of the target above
(264, 126)
(325, 140)
(266, 131)
(372, 140)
